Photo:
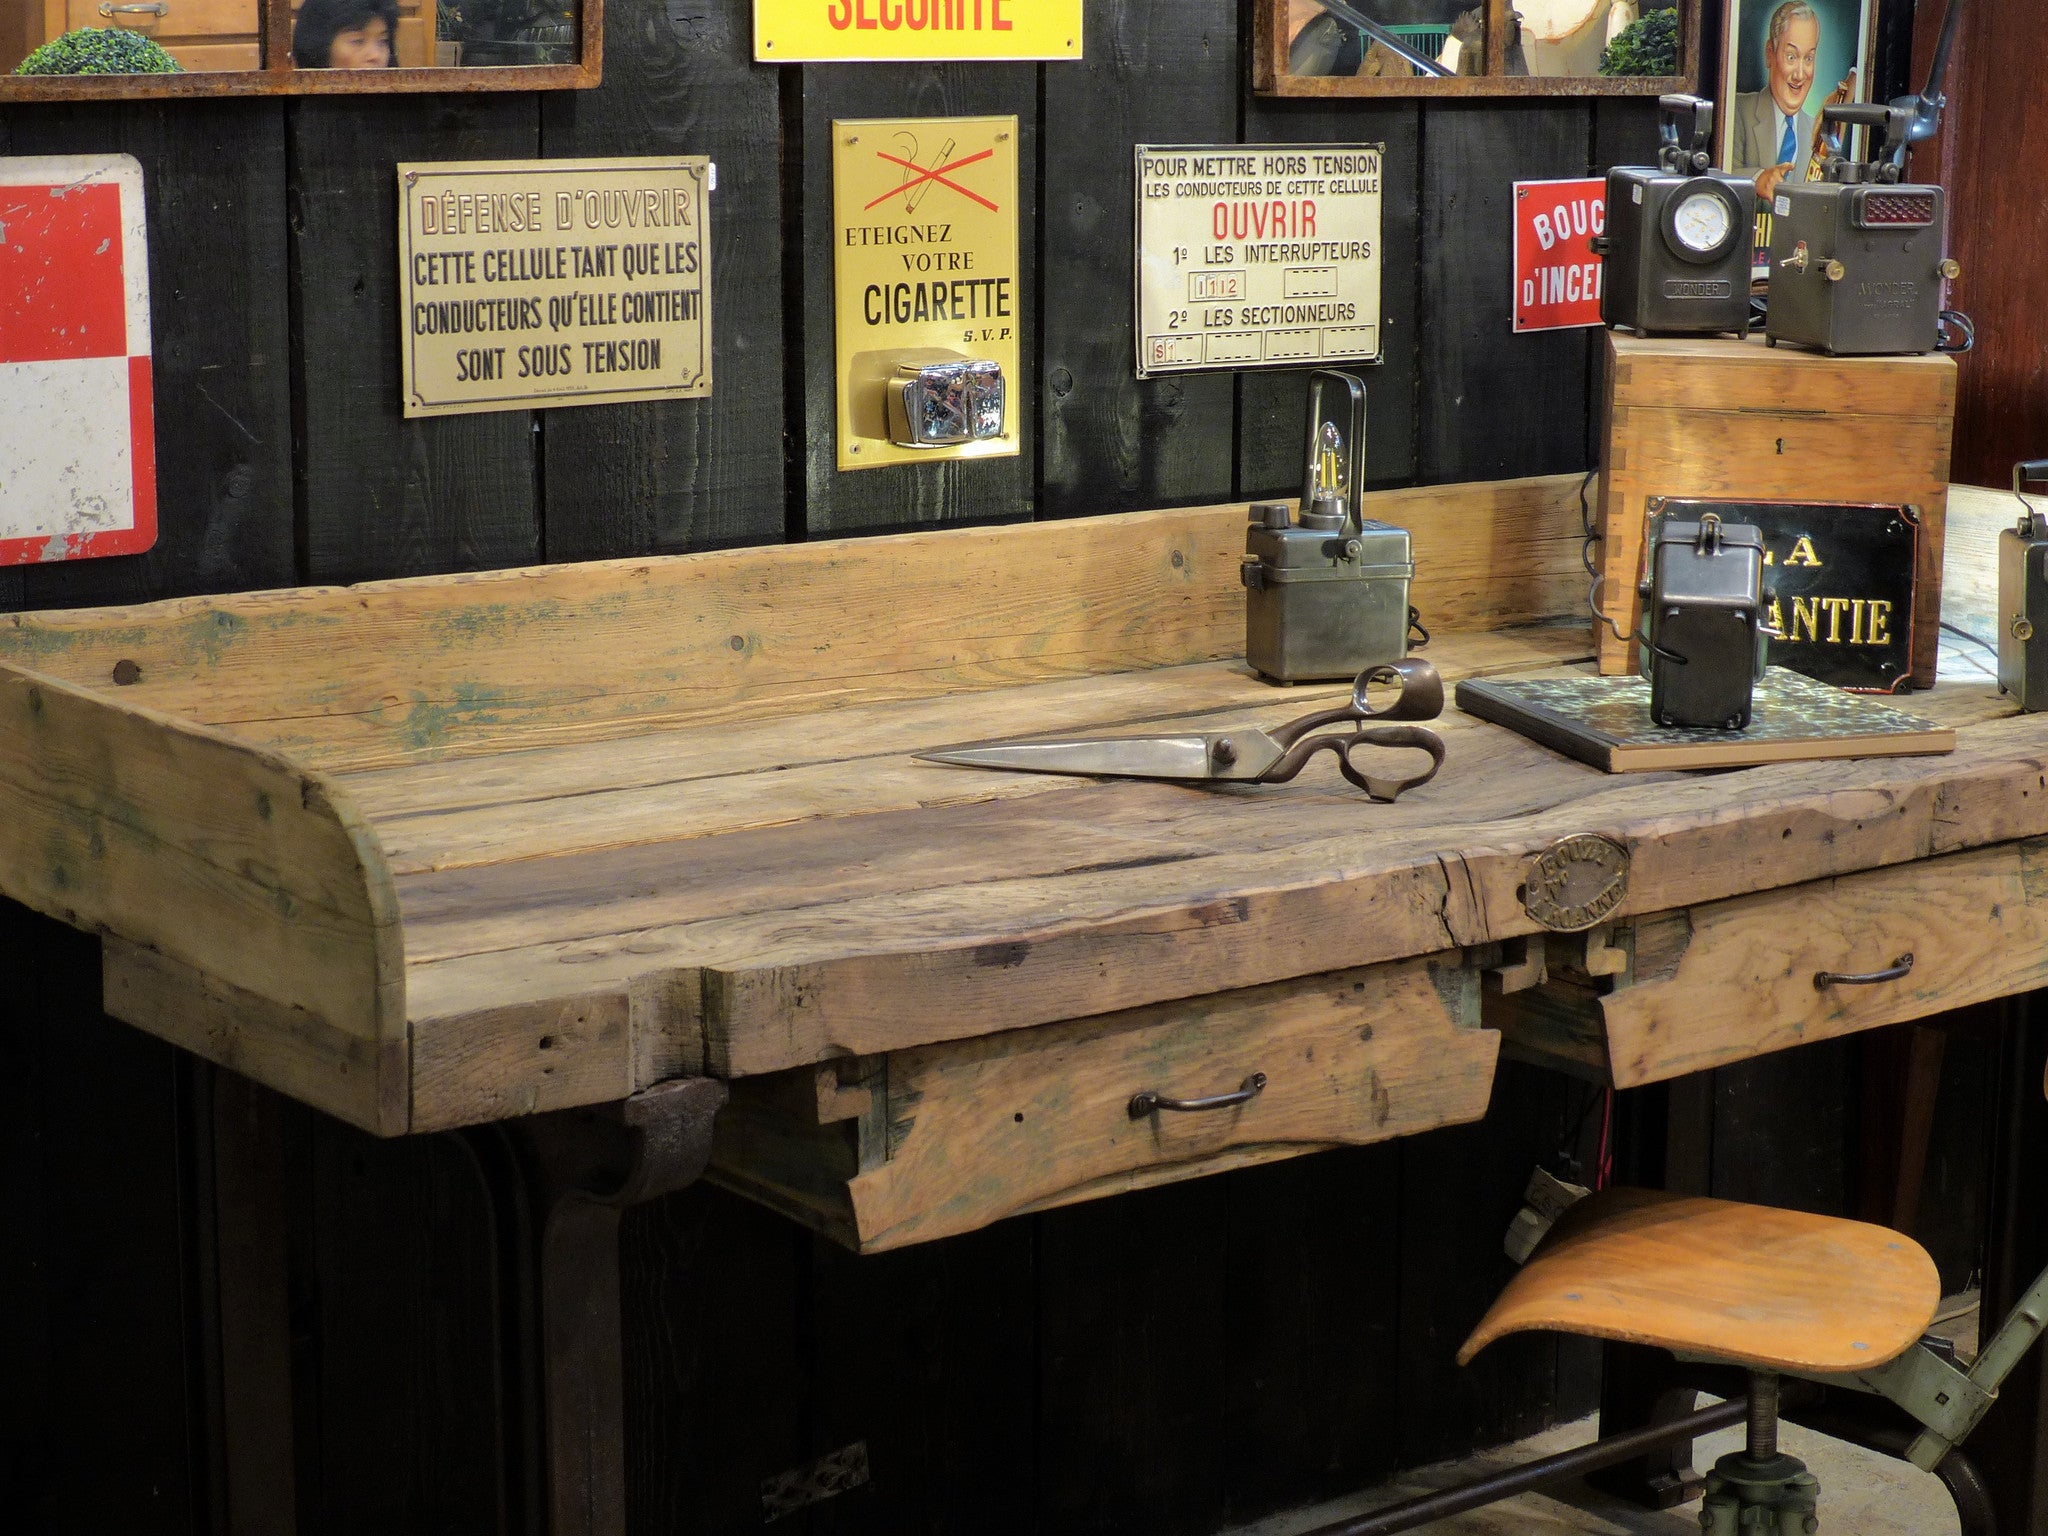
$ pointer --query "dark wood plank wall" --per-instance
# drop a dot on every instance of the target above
(1172, 1361)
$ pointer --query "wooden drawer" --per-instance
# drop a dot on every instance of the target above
(884, 1151)
(181, 19)
(1735, 979)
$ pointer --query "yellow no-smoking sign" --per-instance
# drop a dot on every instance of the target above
(924, 238)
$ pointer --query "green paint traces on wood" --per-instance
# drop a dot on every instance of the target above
(491, 623)
(199, 641)
(431, 722)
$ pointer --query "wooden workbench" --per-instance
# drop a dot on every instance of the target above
(429, 853)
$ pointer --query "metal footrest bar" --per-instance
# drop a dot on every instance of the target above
(1444, 1503)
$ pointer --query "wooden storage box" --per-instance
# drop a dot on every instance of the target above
(1711, 416)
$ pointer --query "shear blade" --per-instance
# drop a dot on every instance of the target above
(1148, 757)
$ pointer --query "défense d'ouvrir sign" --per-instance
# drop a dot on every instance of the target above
(553, 282)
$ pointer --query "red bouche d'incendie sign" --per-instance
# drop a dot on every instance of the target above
(77, 430)
(1557, 276)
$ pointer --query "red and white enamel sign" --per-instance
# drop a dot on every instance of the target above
(1557, 277)
(78, 450)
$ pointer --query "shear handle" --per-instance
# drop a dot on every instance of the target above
(1421, 698)
(1296, 757)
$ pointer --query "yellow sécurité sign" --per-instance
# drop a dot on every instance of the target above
(790, 31)
(553, 282)
(924, 241)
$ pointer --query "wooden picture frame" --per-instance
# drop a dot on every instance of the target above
(278, 76)
(1271, 46)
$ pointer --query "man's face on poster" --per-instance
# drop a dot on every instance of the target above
(1791, 63)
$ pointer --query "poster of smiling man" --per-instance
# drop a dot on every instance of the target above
(1783, 61)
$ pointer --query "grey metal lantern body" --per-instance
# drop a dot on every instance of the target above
(1703, 619)
(2023, 613)
(1324, 602)
(1857, 270)
(1326, 595)
(1656, 283)
(1679, 235)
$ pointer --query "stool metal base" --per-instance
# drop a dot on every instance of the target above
(1775, 1496)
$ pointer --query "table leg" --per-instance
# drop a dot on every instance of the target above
(2011, 1445)
(584, 1169)
(258, 1451)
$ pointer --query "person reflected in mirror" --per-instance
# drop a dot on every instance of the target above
(345, 34)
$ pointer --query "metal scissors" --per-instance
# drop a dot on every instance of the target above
(1245, 755)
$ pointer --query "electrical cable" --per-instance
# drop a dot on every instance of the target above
(1592, 537)
(1957, 629)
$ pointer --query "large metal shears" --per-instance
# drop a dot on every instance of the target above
(1246, 755)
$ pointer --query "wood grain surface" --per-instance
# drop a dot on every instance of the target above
(661, 476)
(442, 493)
(1738, 980)
(746, 870)
(1995, 229)
(1779, 1290)
(237, 868)
(520, 658)
(1148, 74)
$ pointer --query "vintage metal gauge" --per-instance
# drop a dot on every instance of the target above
(928, 299)
(1678, 234)
(1257, 256)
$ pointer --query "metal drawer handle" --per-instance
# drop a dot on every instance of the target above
(1143, 1104)
(157, 9)
(1898, 968)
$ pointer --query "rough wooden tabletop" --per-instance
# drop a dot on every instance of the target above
(566, 914)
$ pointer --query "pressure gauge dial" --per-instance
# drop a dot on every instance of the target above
(1699, 221)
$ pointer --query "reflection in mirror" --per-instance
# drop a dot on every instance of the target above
(129, 37)
(492, 32)
(1386, 38)
(1597, 37)
(418, 34)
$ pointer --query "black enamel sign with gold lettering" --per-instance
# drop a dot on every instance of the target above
(1838, 584)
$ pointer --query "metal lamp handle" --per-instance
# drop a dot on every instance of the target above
(1896, 971)
(1143, 1104)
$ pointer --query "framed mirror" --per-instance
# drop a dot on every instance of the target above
(82, 50)
(1476, 47)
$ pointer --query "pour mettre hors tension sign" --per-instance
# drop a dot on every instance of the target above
(1257, 256)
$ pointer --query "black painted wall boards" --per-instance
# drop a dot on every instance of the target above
(1165, 1362)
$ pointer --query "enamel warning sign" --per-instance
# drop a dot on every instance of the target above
(1257, 256)
(78, 455)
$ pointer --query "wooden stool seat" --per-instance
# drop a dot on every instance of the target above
(1776, 1290)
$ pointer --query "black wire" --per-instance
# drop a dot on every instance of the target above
(1956, 629)
(1593, 536)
